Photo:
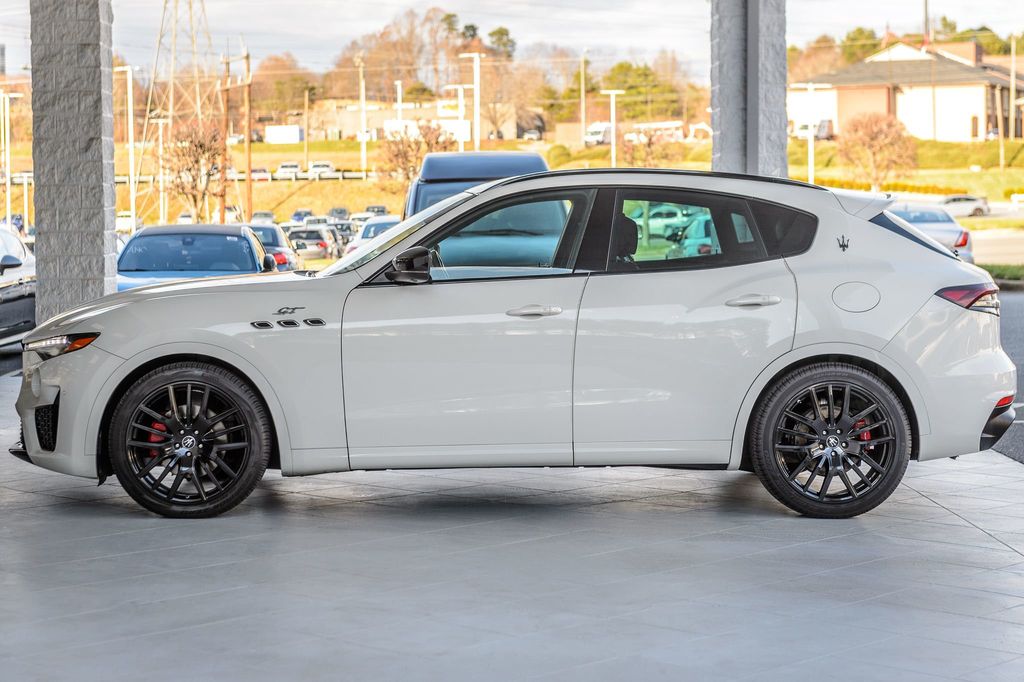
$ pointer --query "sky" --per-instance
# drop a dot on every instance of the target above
(316, 30)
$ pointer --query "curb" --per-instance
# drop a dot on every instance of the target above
(1010, 284)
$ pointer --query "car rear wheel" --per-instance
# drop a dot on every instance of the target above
(830, 440)
(189, 440)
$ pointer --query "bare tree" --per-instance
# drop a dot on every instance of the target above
(191, 159)
(402, 155)
(878, 146)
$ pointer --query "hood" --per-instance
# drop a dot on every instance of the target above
(65, 322)
(131, 280)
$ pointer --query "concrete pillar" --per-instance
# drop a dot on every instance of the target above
(73, 152)
(748, 86)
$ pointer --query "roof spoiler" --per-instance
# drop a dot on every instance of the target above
(863, 204)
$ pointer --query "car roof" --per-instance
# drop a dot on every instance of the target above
(389, 218)
(453, 166)
(656, 172)
(237, 229)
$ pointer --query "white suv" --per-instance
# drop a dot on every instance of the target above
(821, 343)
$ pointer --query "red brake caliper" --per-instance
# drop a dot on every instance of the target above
(866, 436)
(153, 438)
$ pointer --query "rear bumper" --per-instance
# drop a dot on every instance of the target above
(997, 424)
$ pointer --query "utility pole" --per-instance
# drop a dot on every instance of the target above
(583, 97)
(305, 128)
(362, 113)
(812, 127)
(224, 141)
(398, 100)
(162, 203)
(1013, 87)
(130, 106)
(24, 200)
(613, 94)
(1000, 128)
(6, 135)
(247, 95)
(460, 89)
(475, 56)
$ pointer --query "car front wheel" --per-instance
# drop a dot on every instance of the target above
(189, 440)
(830, 440)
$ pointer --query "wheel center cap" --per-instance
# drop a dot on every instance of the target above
(190, 442)
(832, 441)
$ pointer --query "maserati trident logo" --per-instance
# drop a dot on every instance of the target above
(188, 442)
(832, 442)
(286, 310)
(844, 243)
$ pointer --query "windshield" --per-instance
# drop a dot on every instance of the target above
(429, 193)
(369, 250)
(188, 253)
(922, 215)
(267, 235)
(373, 229)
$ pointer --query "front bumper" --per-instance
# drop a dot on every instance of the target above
(997, 424)
(55, 402)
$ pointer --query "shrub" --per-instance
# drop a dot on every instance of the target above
(558, 155)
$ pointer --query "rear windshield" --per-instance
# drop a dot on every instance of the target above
(188, 252)
(897, 225)
(267, 235)
(377, 228)
(429, 193)
(305, 234)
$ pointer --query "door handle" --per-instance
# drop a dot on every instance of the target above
(753, 301)
(534, 310)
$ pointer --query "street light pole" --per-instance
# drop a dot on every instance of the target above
(475, 56)
(6, 134)
(161, 122)
(362, 113)
(583, 97)
(398, 100)
(461, 90)
(613, 94)
(130, 97)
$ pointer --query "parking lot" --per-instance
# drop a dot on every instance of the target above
(517, 573)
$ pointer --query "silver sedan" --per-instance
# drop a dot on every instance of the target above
(938, 224)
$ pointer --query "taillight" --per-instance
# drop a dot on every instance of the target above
(980, 297)
(961, 241)
(322, 245)
(1005, 402)
(280, 258)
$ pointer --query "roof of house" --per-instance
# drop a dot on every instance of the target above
(933, 68)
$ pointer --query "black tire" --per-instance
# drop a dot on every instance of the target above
(197, 426)
(836, 457)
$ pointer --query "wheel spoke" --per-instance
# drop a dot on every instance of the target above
(868, 427)
(814, 403)
(223, 432)
(178, 478)
(863, 413)
(155, 415)
(204, 401)
(223, 415)
(210, 475)
(799, 418)
(148, 446)
(800, 469)
(810, 479)
(188, 402)
(846, 482)
(871, 463)
(831, 406)
(230, 446)
(174, 402)
(798, 434)
(149, 467)
(158, 481)
(147, 429)
(197, 482)
(826, 483)
(220, 464)
(877, 441)
(846, 400)
(793, 448)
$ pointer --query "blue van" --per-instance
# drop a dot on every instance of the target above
(446, 173)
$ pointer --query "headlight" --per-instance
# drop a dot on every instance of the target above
(58, 345)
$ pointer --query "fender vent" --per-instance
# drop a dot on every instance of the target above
(314, 322)
(263, 324)
(288, 323)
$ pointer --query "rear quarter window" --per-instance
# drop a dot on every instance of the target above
(785, 231)
(893, 223)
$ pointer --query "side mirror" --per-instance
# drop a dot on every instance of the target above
(412, 266)
(8, 261)
(269, 264)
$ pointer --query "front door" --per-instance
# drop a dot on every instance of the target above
(675, 331)
(475, 367)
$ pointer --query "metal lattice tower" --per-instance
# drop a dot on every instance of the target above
(183, 81)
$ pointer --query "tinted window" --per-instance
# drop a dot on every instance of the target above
(922, 215)
(786, 232)
(305, 234)
(188, 252)
(429, 193)
(522, 238)
(374, 229)
(658, 230)
(267, 235)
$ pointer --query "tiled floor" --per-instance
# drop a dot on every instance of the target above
(574, 574)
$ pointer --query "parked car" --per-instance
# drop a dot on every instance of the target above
(960, 205)
(259, 174)
(532, 135)
(359, 218)
(827, 344)
(371, 229)
(377, 209)
(315, 242)
(598, 133)
(938, 224)
(318, 168)
(276, 243)
(172, 252)
(17, 288)
(263, 217)
(444, 174)
(340, 238)
(301, 214)
(288, 170)
(338, 213)
(185, 218)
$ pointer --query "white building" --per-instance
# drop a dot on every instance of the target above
(945, 92)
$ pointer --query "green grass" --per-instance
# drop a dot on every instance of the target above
(999, 271)
(318, 263)
(990, 223)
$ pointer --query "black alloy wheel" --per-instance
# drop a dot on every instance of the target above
(831, 440)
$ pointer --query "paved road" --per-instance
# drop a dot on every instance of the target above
(1012, 323)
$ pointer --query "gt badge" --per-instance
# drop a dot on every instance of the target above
(286, 310)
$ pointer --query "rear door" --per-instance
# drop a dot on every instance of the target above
(669, 339)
